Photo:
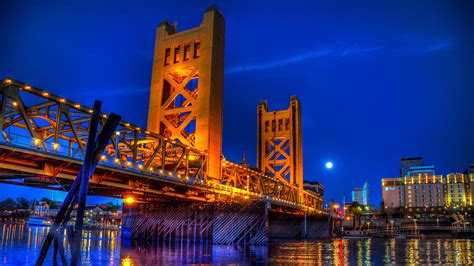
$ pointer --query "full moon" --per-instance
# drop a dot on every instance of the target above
(329, 165)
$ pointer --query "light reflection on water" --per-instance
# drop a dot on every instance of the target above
(21, 244)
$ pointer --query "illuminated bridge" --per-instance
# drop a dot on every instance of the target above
(164, 167)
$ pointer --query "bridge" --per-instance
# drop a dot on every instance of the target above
(175, 163)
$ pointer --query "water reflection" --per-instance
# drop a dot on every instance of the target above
(21, 244)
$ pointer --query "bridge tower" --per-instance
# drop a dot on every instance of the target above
(279, 142)
(187, 86)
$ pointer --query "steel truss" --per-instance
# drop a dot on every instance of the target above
(36, 120)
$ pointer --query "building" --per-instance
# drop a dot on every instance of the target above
(406, 163)
(314, 186)
(317, 189)
(361, 195)
(41, 208)
(357, 195)
(365, 194)
(422, 169)
(469, 170)
(427, 192)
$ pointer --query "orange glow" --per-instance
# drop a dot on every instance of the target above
(129, 200)
(45, 94)
(15, 103)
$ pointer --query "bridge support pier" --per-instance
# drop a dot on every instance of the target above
(249, 223)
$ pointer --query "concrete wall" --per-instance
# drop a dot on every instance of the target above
(219, 223)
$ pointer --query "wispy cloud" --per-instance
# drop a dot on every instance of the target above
(110, 92)
(425, 49)
(353, 50)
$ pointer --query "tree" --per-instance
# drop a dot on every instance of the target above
(7, 205)
(356, 210)
(22, 203)
(52, 204)
(111, 207)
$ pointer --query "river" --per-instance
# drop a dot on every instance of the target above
(20, 245)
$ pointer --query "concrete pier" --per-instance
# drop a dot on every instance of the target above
(250, 223)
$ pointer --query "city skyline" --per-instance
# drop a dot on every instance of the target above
(336, 127)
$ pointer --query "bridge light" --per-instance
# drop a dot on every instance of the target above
(187, 177)
(127, 124)
(63, 100)
(147, 132)
(27, 88)
(246, 197)
(103, 157)
(116, 160)
(36, 141)
(45, 93)
(8, 81)
(151, 168)
(55, 146)
(77, 105)
(14, 103)
(104, 116)
(90, 111)
(137, 128)
(140, 166)
(161, 171)
(129, 200)
(129, 163)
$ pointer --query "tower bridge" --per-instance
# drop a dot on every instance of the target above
(175, 163)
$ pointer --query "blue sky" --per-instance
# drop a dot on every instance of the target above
(378, 80)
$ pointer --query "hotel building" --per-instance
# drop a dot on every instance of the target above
(427, 192)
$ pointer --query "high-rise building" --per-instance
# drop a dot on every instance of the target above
(406, 163)
(365, 194)
(422, 169)
(357, 195)
(361, 195)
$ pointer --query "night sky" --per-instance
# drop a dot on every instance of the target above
(377, 80)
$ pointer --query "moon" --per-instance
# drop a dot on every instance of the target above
(329, 165)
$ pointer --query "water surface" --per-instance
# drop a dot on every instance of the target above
(20, 245)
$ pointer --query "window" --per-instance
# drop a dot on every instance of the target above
(287, 124)
(197, 49)
(167, 56)
(267, 125)
(280, 124)
(177, 54)
(273, 125)
(187, 51)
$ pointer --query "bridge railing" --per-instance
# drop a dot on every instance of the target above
(40, 121)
